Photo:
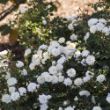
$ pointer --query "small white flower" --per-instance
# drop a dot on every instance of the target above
(3, 53)
(92, 21)
(85, 53)
(19, 64)
(90, 60)
(32, 87)
(41, 79)
(60, 108)
(12, 89)
(32, 66)
(43, 99)
(93, 29)
(71, 72)
(22, 91)
(44, 21)
(101, 78)
(108, 98)
(69, 108)
(59, 67)
(61, 40)
(78, 81)
(15, 96)
(77, 54)
(43, 107)
(100, 26)
(70, 27)
(48, 78)
(6, 98)
(53, 70)
(73, 37)
(84, 93)
(97, 108)
(24, 72)
(102, 20)
(86, 36)
(43, 47)
(27, 52)
(68, 82)
(61, 60)
(55, 79)
(55, 52)
(12, 81)
(61, 78)
(86, 78)
(106, 31)
(76, 98)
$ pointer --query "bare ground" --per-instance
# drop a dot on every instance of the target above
(65, 8)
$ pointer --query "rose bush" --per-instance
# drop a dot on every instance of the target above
(70, 71)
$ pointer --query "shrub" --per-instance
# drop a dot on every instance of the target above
(63, 73)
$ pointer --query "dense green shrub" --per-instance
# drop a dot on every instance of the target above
(36, 26)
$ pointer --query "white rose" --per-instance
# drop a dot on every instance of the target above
(78, 81)
(97, 108)
(102, 20)
(53, 70)
(24, 72)
(61, 40)
(32, 66)
(3, 53)
(15, 96)
(27, 52)
(19, 64)
(55, 79)
(77, 54)
(86, 78)
(44, 22)
(61, 78)
(73, 37)
(32, 87)
(92, 21)
(68, 82)
(106, 31)
(85, 53)
(100, 26)
(71, 72)
(59, 67)
(108, 98)
(22, 91)
(12, 89)
(43, 47)
(43, 107)
(61, 60)
(41, 79)
(84, 93)
(101, 78)
(70, 27)
(55, 52)
(69, 108)
(90, 60)
(6, 98)
(93, 29)
(43, 99)
(48, 78)
(12, 81)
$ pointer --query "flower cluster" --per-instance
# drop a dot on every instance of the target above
(99, 25)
